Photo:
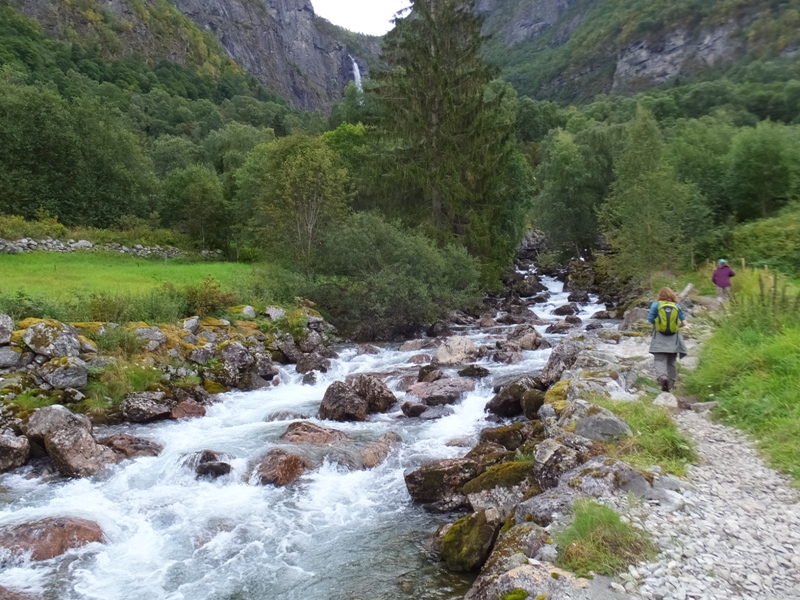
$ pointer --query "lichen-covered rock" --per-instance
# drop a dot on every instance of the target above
(455, 351)
(146, 407)
(14, 451)
(527, 337)
(468, 542)
(443, 391)
(6, 329)
(201, 354)
(376, 452)
(187, 409)
(52, 339)
(562, 358)
(342, 403)
(304, 432)
(65, 372)
(605, 428)
(377, 394)
(154, 337)
(556, 396)
(513, 436)
(10, 356)
(76, 453)
(129, 446)
(279, 468)
(50, 419)
(551, 461)
(508, 402)
(439, 484)
(48, 538)
(602, 476)
(312, 362)
(275, 313)
(501, 487)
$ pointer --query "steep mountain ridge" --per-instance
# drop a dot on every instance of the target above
(281, 42)
(574, 49)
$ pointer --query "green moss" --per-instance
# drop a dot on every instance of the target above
(504, 475)
(466, 545)
(515, 594)
(556, 396)
(212, 387)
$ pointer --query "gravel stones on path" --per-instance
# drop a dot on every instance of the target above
(738, 535)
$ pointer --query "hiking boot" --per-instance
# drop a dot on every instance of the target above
(664, 384)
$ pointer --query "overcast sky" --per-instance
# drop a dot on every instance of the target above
(364, 16)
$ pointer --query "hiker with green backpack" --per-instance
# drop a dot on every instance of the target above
(667, 344)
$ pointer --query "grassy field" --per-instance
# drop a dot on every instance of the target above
(63, 275)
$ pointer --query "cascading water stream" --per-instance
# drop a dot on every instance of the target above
(357, 75)
(336, 534)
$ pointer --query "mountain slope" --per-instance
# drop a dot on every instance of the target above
(574, 49)
(281, 42)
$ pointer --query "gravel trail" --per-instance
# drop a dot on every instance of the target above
(737, 535)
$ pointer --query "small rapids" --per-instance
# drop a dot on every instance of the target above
(336, 534)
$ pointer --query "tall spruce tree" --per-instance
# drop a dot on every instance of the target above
(448, 130)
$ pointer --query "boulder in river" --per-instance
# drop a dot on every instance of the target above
(129, 446)
(474, 371)
(146, 407)
(438, 484)
(76, 453)
(443, 391)
(513, 436)
(209, 464)
(561, 358)
(468, 542)
(52, 339)
(279, 468)
(50, 419)
(413, 409)
(304, 432)
(376, 452)
(455, 351)
(377, 394)
(342, 403)
(508, 402)
(14, 451)
(51, 537)
(187, 409)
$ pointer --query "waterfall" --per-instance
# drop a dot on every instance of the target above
(356, 74)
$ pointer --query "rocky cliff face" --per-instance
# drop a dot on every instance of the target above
(282, 42)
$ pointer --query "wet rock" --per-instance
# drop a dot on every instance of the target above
(443, 391)
(508, 402)
(52, 339)
(14, 451)
(532, 401)
(6, 329)
(376, 452)
(212, 469)
(420, 359)
(65, 372)
(603, 314)
(551, 461)
(455, 351)
(468, 542)
(310, 378)
(7, 594)
(51, 419)
(487, 322)
(10, 356)
(342, 403)
(439, 329)
(580, 297)
(602, 476)
(429, 375)
(593, 326)
(474, 371)
(304, 432)
(188, 409)
(286, 345)
(605, 428)
(573, 320)
(367, 349)
(529, 286)
(513, 436)
(377, 394)
(417, 345)
(527, 337)
(562, 358)
(48, 538)
(208, 464)
(312, 362)
(559, 328)
(280, 468)
(438, 484)
(284, 415)
(546, 507)
(129, 446)
(413, 409)
(76, 453)
(146, 407)
(567, 309)
(437, 412)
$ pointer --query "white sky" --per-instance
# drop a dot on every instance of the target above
(363, 16)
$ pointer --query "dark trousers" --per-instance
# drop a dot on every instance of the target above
(665, 366)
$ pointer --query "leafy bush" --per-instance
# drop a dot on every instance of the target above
(381, 280)
(207, 298)
(21, 306)
(118, 339)
(771, 242)
(598, 542)
(14, 227)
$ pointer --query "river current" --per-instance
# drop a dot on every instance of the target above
(336, 534)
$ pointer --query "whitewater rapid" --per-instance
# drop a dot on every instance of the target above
(336, 534)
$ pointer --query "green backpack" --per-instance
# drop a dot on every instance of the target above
(668, 320)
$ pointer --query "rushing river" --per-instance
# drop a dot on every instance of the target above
(334, 535)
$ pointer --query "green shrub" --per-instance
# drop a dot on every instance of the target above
(14, 227)
(207, 298)
(597, 541)
(118, 380)
(118, 340)
(771, 242)
(21, 306)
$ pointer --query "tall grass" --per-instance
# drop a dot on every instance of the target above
(751, 366)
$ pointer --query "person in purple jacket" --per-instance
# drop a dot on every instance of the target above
(722, 279)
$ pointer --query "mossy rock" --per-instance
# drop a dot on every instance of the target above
(516, 594)
(25, 323)
(212, 387)
(468, 543)
(134, 325)
(531, 402)
(504, 475)
(16, 338)
(210, 322)
(556, 396)
(513, 436)
(89, 327)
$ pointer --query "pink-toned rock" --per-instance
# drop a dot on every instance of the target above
(377, 394)
(376, 452)
(76, 453)
(304, 432)
(342, 403)
(7, 594)
(188, 409)
(50, 537)
(420, 359)
(130, 446)
(279, 468)
(443, 391)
